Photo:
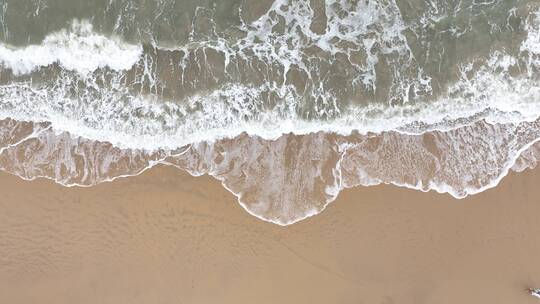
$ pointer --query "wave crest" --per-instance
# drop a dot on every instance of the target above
(77, 49)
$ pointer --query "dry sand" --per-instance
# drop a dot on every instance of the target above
(166, 237)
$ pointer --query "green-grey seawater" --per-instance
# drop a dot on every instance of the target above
(429, 79)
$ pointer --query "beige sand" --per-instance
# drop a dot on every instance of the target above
(166, 237)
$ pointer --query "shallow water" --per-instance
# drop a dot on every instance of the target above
(286, 102)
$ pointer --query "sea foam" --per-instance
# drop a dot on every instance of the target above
(78, 49)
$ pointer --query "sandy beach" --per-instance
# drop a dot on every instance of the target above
(167, 237)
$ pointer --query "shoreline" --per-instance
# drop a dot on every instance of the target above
(293, 177)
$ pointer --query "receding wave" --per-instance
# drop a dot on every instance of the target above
(286, 104)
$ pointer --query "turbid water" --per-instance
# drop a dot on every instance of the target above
(286, 102)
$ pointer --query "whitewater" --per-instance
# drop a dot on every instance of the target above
(286, 105)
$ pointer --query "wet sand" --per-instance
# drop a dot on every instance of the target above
(167, 237)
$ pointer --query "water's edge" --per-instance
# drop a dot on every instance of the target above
(286, 180)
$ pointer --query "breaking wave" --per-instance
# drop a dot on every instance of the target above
(287, 106)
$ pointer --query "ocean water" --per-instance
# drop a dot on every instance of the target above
(285, 102)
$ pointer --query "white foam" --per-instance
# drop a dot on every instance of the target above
(78, 49)
(531, 45)
(138, 122)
